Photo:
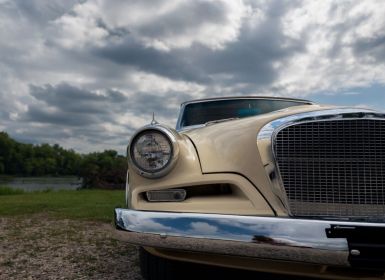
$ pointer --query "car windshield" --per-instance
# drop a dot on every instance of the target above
(215, 110)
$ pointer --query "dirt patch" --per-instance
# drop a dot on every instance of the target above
(41, 247)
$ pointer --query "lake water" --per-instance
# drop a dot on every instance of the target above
(41, 183)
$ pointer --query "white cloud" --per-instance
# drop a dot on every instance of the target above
(80, 27)
(161, 24)
(330, 31)
(203, 228)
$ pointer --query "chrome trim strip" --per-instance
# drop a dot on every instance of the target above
(259, 237)
(267, 130)
(171, 135)
(248, 97)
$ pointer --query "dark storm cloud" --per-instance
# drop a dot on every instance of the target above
(48, 131)
(64, 92)
(40, 11)
(42, 115)
(339, 30)
(167, 64)
(4, 112)
(71, 99)
(98, 136)
(373, 47)
(68, 105)
(178, 21)
(165, 106)
(249, 59)
(64, 112)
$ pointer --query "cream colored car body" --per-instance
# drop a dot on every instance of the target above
(228, 153)
(217, 154)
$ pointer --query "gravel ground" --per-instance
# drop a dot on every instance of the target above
(41, 247)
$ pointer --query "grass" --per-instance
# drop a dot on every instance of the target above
(96, 205)
(10, 191)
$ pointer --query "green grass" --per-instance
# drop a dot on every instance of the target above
(10, 191)
(97, 205)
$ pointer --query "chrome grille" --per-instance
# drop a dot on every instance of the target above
(333, 168)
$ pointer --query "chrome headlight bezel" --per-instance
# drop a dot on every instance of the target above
(172, 139)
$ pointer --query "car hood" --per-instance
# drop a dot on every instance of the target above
(224, 146)
(231, 147)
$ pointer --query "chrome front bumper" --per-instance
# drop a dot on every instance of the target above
(272, 238)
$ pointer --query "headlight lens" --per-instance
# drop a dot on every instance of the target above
(151, 151)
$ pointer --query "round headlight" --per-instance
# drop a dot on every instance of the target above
(153, 151)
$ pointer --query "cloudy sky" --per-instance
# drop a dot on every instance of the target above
(86, 74)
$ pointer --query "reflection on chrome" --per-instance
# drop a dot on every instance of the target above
(262, 237)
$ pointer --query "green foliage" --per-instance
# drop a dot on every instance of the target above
(104, 170)
(83, 204)
(36, 160)
(98, 170)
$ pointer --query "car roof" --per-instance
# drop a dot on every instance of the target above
(246, 97)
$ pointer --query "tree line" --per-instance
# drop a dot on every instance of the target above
(98, 170)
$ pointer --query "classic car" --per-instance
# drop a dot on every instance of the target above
(260, 183)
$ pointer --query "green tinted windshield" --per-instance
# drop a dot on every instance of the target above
(213, 110)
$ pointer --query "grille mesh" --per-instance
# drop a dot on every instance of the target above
(333, 168)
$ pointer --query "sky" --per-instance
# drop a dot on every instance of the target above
(86, 74)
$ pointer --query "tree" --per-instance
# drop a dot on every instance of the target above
(99, 170)
(104, 170)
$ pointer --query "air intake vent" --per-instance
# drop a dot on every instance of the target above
(333, 168)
